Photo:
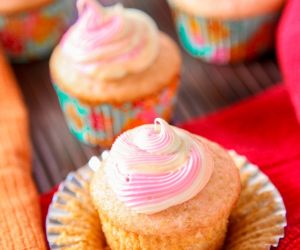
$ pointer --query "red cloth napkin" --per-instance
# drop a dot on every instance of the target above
(288, 48)
(266, 130)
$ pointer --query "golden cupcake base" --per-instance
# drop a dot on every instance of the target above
(257, 222)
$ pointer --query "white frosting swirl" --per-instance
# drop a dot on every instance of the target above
(151, 168)
(111, 42)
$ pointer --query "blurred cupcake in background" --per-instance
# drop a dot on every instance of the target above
(113, 70)
(226, 31)
(30, 29)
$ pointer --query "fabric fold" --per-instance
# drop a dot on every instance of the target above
(288, 50)
(20, 219)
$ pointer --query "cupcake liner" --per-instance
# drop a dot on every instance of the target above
(259, 219)
(257, 222)
(68, 226)
(225, 41)
(32, 34)
(100, 124)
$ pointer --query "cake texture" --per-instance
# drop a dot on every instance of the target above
(116, 70)
(226, 31)
(30, 29)
(164, 188)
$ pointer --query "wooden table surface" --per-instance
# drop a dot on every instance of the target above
(205, 88)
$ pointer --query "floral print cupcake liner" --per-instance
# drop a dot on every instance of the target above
(100, 124)
(31, 35)
(225, 41)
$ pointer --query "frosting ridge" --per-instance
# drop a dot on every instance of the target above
(153, 167)
(110, 42)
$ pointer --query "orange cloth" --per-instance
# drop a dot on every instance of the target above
(20, 220)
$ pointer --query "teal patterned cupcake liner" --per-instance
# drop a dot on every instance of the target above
(100, 124)
(225, 41)
(32, 34)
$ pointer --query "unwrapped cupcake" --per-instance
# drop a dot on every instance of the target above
(162, 187)
(226, 31)
(30, 29)
(113, 70)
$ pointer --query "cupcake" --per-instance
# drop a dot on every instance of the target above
(113, 70)
(226, 31)
(30, 29)
(162, 187)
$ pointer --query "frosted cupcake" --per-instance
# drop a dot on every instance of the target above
(164, 188)
(113, 70)
(224, 31)
(30, 29)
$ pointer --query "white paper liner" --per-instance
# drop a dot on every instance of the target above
(257, 222)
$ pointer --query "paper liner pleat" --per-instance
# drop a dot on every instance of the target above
(257, 222)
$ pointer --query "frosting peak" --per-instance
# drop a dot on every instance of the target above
(111, 42)
(153, 167)
(161, 138)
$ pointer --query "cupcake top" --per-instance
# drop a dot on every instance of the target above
(8, 7)
(113, 54)
(111, 42)
(154, 167)
(159, 178)
(232, 9)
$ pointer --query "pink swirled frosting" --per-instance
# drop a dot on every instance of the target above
(111, 42)
(153, 167)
